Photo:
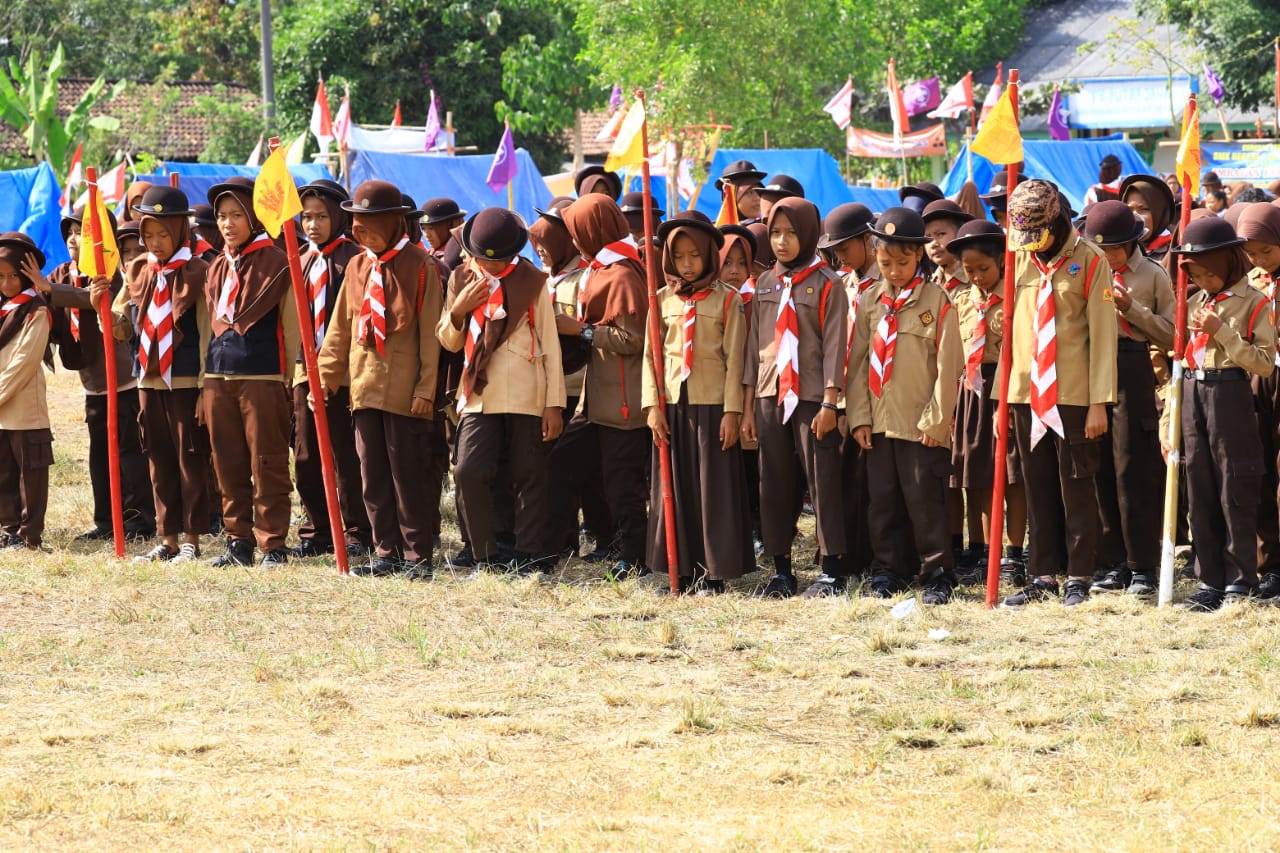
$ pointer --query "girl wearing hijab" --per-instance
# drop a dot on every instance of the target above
(1231, 335)
(738, 270)
(26, 442)
(794, 376)
(382, 336)
(703, 337)
(253, 324)
(1151, 201)
(324, 265)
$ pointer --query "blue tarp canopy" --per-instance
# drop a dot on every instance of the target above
(1072, 165)
(31, 206)
(195, 179)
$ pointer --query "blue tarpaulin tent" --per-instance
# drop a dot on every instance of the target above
(1072, 165)
(195, 179)
(31, 206)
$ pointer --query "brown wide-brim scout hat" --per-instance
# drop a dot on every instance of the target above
(1033, 207)
(325, 187)
(1207, 234)
(743, 232)
(494, 234)
(632, 207)
(945, 208)
(441, 210)
(237, 184)
(900, 225)
(976, 232)
(852, 219)
(740, 171)
(1112, 223)
(21, 242)
(781, 186)
(376, 197)
(594, 178)
(690, 219)
(917, 196)
(163, 200)
(999, 187)
(203, 214)
(554, 209)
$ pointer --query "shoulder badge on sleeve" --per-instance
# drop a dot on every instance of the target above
(1074, 269)
(926, 318)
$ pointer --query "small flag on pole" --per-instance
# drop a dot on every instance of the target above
(993, 94)
(1058, 127)
(255, 157)
(397, 120)
(321, 119)
(922, 96)
(628, 148)
(342, 124)
(297, 151)
(1187, 162)
(728, 214)
(1216, 90)
(504, 167)
(75, 177)
(840, 107)
(999, 139)
(432, 134)
(275, 196)
(959, 98)
(110, 253)
(897, 109)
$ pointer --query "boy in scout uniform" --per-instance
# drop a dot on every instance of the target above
(1231, 335)
(904, 366)
(1063, 379)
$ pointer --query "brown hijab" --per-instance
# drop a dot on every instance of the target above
(402, 276)
(553, 236)
(1260, 222)
(1158, 204)
(132, 196)
(764, 258)
(520, 291)
(184, 286)
(706, 248)
(264, 274)
(594, 221)
(731, 240)
(1229, 263)
(804, 218)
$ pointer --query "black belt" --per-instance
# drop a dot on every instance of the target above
(1226, 374)
(1130, 345)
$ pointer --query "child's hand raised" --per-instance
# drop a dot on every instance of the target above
(469, 299)
(31, 270)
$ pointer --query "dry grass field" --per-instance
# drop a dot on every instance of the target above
(186, 708)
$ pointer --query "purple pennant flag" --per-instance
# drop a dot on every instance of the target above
(922, 96)
(504, 167)
(1216, 90)
(1058, 128)
(433, 126)
(615, 98)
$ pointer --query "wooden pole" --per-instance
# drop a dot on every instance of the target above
(659, 371)
(337, 530)
(94, 229)
(995, 536)
(1174, 403)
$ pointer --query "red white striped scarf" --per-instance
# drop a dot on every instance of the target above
(786, 340)
(618, 250)
(11, 305)
(226, 309)
(78, 279)
(493, 308)
(318, 286)
(885, 341)
(157, 323)
(1197, 347)
(1044, 355)
(373, 309)
(748, 291)
(978, 343)
(688, 326)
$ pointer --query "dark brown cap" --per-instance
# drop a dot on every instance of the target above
(976, 232)
(900, 225)
(691, 219)
(325, 187)
(376, 197)
(740, 171)
(495, 234)
(597, 179)
(163, 200)
(945, 208)
(781, 186)
(851, 219)
(20, 242)
(236, 184)
(1206, 235)
(440, 210)
(1112, 223)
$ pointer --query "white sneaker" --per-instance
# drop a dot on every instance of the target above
(188, 553)
(160, 554)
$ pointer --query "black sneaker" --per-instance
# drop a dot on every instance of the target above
(779, 586)
(1116, 579)
(937, 590)
(239, 553)
(464, 559)
(1269, 586)
(622, 570)
(138, 534)
(1038, 590)
(1142, 585)
(826, 586)
(357, 549)
(1237, 594)
(97, 534)
(1013, 573)
(1204, 600)
(275, 558)
(377, 567)
(311, 548)
(1075, 593)
(884, 586)
(415, 570)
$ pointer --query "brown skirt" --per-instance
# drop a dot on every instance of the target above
(710, 490)
(973, 443)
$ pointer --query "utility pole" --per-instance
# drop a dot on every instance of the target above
(268, 71)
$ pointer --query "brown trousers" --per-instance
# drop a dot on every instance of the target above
(907, 508)
(135, 480)
(395, 453)
(1131, 473)
(309, 480)
(481, 442)
(1224, 476)
(780, 488)
(582, 493)
(25, 457)
(178, 450)
(248, 422)
(853, 481)
(1062, 503)
(1266, 401)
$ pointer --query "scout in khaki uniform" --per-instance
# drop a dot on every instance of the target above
(980, 247)
(1259, 225)
(1131, 471)
(794, 377)
(904, 367)
(253, 325)
(775, 190)
(703, 335)
(1231, 335)
(26, 442)
(1063, 378)
(382, 336)
(745, 179)
(500, 315)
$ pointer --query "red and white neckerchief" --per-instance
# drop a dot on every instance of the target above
(885, 341)
(949, 282)
(618, 250)
(201, 245)
(1161, 242)
(690, 320)
(978, 344)
(226, 309)
(1044, 354)
(157, 323)
(1194, 354)
(554, 279)
(80, 280)
(318, 286)
(493, 308)
(786, 340)
(11, 305)
(373, 309)
(855, 296)
(748, 291)
(1117, 278)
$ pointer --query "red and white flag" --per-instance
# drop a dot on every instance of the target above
(610, 129)
(75, 177)
(840, 107)
(993, 94)
(397, 120)
(897, 107)
(959, 98)
(111, 185)
(321, 119)
(342, 124)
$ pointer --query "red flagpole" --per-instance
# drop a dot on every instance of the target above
(94, 230)
(316, 391)
(659, 371)
(995, 536)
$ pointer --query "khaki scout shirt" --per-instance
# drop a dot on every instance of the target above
(822, 345)
(22, 389)
(1150, 317)
(565, 295)
(967, 300)
(951, 282)
(920, 396)
(1247, 336)
(1085, 320)
(524, 373)
(718, 334)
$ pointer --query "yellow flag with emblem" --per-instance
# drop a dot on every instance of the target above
(628, 148)
(88, 263)
(998, 139)
(275, 197)
(1187, 163)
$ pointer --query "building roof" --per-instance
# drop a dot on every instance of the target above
(592, 124)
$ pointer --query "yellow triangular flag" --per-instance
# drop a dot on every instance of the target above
(628, 148)
(728, 214)
(88, 263)
(1187, 163)
(297, 151)
(275, 197)
(998, 139)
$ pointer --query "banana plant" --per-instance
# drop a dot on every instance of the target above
(29, 104)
